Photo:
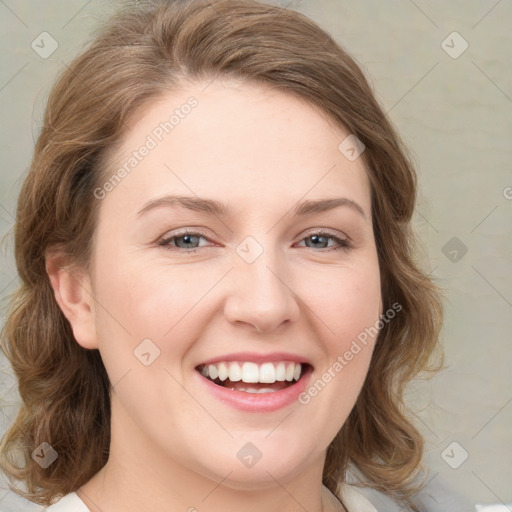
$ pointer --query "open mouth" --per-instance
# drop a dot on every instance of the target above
(251, 377)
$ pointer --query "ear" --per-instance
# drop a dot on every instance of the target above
(73, 293)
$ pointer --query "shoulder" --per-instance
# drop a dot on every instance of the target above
(69, 503)
(354, 501)
(435, 496)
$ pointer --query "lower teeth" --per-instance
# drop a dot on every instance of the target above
(237, 386)
(252, 390)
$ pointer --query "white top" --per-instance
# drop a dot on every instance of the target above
(353, 500)
(69, 503)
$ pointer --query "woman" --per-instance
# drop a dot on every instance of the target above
(220, 305)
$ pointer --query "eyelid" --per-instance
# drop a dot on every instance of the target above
(326, 231)
(344, 241)
(182, 232)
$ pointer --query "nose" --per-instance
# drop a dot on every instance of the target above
(260, 295)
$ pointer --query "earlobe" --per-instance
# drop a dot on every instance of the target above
(73, 294)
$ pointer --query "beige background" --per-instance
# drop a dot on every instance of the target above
(454, 113)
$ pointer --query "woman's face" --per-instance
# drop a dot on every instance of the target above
(266, 280)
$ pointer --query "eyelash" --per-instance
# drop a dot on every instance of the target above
(344, 244)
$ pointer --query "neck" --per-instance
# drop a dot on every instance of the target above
(140, 476)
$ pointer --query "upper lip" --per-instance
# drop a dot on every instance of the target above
(254, 357)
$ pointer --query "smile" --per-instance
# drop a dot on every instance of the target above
(250, 377)
(255, 383)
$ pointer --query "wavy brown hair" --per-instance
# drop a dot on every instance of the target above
(143, 52)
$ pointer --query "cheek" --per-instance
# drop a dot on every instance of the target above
(349, 310)
(161, 303)
(349, 304)
(147, 301)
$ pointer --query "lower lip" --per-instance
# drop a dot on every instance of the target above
(258, 402)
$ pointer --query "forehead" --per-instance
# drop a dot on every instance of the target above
(248, 141)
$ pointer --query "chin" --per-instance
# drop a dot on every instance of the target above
(258, 465)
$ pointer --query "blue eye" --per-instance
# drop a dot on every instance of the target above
(318, 240)
(187, 241)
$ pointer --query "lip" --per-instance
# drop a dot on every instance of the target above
(257, 402)
(253, 357)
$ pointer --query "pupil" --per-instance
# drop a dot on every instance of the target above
(187, 238)
(316, 238)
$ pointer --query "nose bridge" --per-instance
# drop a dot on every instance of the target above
(260, 294)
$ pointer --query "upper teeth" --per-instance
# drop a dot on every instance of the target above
(251, 372)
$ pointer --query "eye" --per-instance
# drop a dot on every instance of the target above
(188, 241)
(320, 239)
(184, 240)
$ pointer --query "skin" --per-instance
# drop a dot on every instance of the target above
(260, 151)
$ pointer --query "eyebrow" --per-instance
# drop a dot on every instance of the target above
(213, 207)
